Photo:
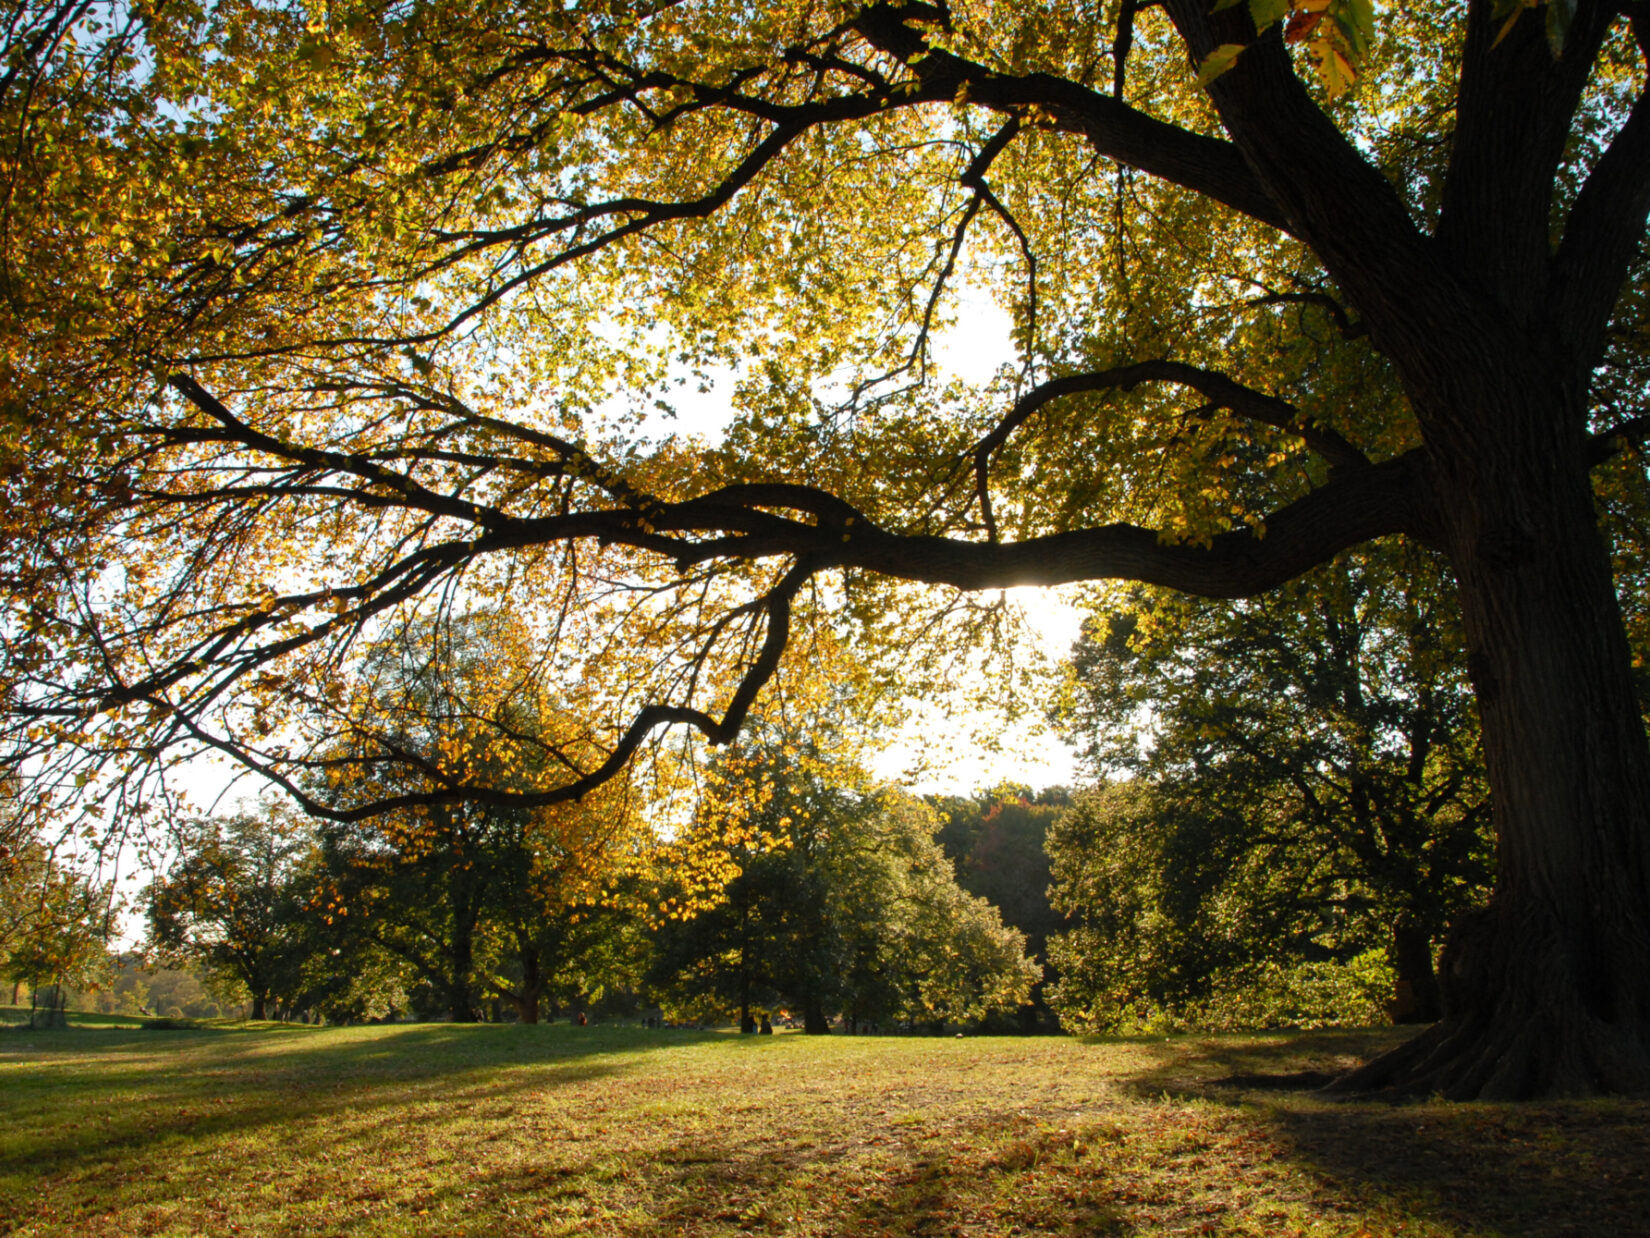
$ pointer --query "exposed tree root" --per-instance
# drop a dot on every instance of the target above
(1474, 1060)
(1517, 1027)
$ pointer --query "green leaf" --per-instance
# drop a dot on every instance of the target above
(1218, 61)
(1267, 13)
(1559, 13)
(1337, 72)
(1355, 41)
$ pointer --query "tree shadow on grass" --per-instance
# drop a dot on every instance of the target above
(697, 1188)
(1526, 1170)
(1266, 1061)
(432, 1128)
(223, 1082)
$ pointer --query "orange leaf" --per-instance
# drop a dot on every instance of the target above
(1301, 25)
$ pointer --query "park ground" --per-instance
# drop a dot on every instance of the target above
(510, 1130)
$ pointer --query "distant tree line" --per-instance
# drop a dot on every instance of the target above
(847, 904)
(841, 906)
(996, 839)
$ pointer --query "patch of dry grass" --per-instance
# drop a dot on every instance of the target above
(620, 1131)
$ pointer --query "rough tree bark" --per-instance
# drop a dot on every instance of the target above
(525, 1001)
(1547, 990)
(461, 1006)
(532, 986)
(1494, 334)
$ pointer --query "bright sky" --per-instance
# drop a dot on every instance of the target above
(960, 752)
(941, 751)
(938, 750)
(949, 746)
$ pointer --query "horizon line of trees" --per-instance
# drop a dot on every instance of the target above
(841, 906)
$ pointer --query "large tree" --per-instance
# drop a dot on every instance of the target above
(457, 889)
(317, 314)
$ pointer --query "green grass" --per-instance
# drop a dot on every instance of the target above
(446, 1130)
(16, 1018)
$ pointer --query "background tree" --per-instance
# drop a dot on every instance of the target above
(349, 299)
(559, 933)
(465, 892)
(57, 925)
(1175, 921)
(843, 902)
(777, 934)
(419, 890)
(56, 917)
(234, 901)
(347, 977)
(1316, 758)
(135, 985)
(996, 842)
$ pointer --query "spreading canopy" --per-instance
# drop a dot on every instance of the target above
(328, 317)
(363, 309)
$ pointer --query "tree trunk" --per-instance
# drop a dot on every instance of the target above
(259, 1001)
(1417, 998)
(814, 1022)
(532, 987)
(460, 1001)
(1546, 991)
(54, 1013)
(460, 1009)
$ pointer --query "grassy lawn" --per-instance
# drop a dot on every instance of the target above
(509, 1130)
(16, 1016)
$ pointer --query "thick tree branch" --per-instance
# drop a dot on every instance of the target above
(777, 603)
(1344, 323)
(1373, 502)
(1355, 507)
(749, 522)
(1121, 45)
(1514, 110)
(1603, 232)
(1333, 198)
(1205, 165)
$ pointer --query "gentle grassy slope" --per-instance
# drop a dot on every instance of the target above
(17, 1017)
(557, 1130)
